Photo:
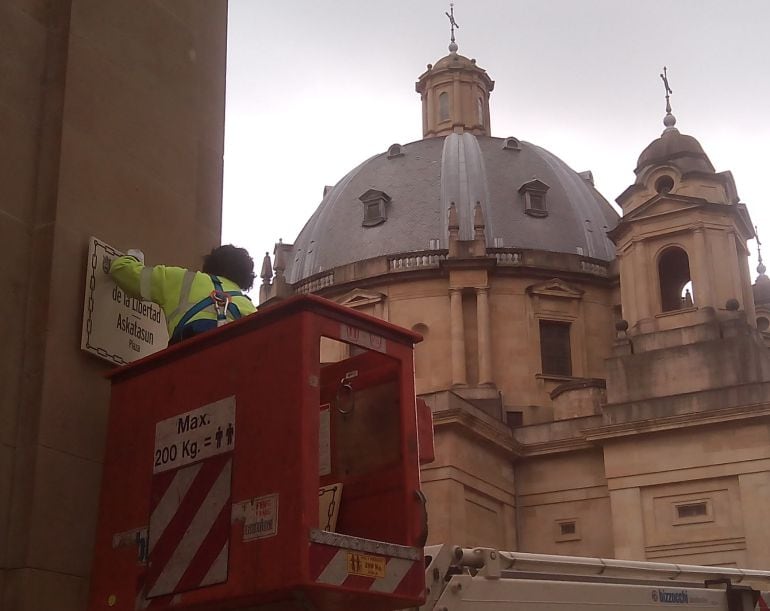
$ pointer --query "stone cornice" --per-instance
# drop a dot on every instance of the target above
(502, 440)
(556, 446)
(377, 271)
(679, 421)
(588, 439)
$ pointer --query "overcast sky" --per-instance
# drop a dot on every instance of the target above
(315, 87)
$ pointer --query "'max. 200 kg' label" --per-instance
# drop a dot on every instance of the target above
(195, 435)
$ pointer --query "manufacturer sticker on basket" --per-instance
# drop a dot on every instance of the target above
(366, 565)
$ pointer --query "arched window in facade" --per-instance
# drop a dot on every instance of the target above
(674, 277)
(443, 106)
(480, 110)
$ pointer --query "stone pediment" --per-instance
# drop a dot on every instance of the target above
(555, 288)
(668, 203)
(534, 185)
(662, 204)
(358, 298)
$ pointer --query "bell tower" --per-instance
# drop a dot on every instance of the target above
(688, 327)
(681, 243)
(455, 94)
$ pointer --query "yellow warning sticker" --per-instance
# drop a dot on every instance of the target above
(366, 565)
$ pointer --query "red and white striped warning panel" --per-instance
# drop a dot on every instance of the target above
(364, 565)
(189, 528)
(762, 601)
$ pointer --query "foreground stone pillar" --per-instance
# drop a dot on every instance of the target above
(100, 141)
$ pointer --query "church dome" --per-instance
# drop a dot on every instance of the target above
(398, 201)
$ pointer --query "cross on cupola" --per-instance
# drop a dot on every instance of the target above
(452, 25)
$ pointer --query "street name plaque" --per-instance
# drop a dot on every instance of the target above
(117, 327)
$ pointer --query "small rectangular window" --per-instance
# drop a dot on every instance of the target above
(537, 201)
(567, 528)
(692, 510)
(534, 203)
(555, 351)
(372, 212)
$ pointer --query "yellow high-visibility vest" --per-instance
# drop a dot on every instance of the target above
(174, 289)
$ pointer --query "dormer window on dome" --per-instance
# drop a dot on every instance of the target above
(511, 144)
(534, 194)
(395, 150)
(375, 207)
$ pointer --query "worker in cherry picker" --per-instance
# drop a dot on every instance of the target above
(193, 302)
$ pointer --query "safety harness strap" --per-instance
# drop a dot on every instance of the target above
(219, 300)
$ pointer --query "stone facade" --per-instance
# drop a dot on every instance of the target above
(613, 407)
(112, 115)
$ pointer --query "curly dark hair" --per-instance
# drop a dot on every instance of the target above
(231, 262)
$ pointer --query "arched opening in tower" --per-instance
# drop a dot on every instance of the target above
(675, 281)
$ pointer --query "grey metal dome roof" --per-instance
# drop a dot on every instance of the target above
(464, 169)
(676, 148)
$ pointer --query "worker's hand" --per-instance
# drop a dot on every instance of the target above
(136, 253)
